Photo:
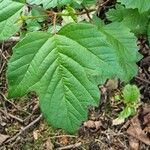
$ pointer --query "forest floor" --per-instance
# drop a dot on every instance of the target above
(22, 126)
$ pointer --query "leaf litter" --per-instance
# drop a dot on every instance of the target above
(96, 133)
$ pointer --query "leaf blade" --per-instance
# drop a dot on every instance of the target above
(9, 13)
(142, 5)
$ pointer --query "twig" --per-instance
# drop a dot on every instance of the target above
(87, 12)
(54, 23)
(59, 136)
(144, 80)
(104, 3)
(78, 13)
(8, 115)
(14, 39)
(4, 97)
(76, 145)
(101, 5)
(24, 129)
(2, 67)
(3, 55)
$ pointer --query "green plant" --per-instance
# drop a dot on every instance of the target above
(130, 97)
(65, 63)
(133, 15)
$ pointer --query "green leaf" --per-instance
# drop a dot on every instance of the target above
(65, 69)
(142, 5)
(124, 44)
(9, 14)
(118, 13)
(32, 25)
(49, 3)
(137, 22)
(38, 12)
(148, 32)
(21, 1)
(53, 29)
(128, 111)
(131, 18)
(89, 2)
(131, 94)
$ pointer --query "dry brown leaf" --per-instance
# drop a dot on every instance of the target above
(136, 130)
(117, 121)
(147, 119)
(134, 143)
(112, 84)
(35, 134)
(93, 125)
(3, 138)
(89, 124)
(49, 145)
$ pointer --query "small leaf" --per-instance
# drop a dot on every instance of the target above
(118, 13)
(131, 94)
(9, 14)
(142, 5)
(38, 12)
(128, 111)
(33, 25)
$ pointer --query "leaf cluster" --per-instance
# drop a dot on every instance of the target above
(64, 58)
(133, 14)
(130, 97)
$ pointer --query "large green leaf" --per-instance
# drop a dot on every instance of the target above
(62, 70)
(9, 13)
(142, 5)
(124, 44)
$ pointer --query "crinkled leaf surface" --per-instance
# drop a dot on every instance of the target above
(131, 18)
(126, 112)
(61, 69)
(142, 5)
(49, 3)
(124, 44)
(9, 13)
(131, 94)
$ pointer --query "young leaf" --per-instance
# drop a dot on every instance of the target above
(124, 44)
(9, 14)
(131, 94)
(126, 112)
(60, 68)
(142, 5)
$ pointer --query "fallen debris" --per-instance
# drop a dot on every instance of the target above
(140, 127)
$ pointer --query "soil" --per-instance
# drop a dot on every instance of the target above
(22, 126)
